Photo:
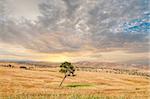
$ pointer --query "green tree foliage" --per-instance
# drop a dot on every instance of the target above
(68, 69)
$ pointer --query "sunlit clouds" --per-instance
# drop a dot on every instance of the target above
(75, 30)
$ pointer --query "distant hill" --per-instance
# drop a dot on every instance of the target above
(81, 64)
(109, 65)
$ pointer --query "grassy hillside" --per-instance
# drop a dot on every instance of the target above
(41, 83)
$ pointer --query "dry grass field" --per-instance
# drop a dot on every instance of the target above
(42, 83)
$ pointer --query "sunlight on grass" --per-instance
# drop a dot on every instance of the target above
(70, 96)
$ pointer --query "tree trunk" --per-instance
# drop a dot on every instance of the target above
(62, 81)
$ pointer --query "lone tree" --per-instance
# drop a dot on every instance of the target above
(68, 69)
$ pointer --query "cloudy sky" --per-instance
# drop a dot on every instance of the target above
(75, 30)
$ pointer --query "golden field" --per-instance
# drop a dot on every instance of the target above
(43, 83)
